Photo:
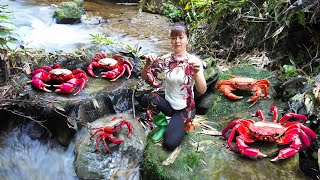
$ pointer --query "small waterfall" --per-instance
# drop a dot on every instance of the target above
(22, 156)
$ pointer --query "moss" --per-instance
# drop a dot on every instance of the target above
(152, 169)
(67, 10)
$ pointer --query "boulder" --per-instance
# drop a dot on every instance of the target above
(68, 13)
(124, 159)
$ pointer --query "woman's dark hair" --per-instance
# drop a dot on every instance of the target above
(178, 29)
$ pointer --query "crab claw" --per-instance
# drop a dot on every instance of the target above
(90, 70)
(248, 151)
(39, 84)
(227, 90)
(69, 86)
(289, 151)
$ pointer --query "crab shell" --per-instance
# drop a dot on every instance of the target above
(61, 74)
(267, 131)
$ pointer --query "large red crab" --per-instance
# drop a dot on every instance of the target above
(107, 132)
(244, 83)
(116, 66)
(282, 133)
(69, 79)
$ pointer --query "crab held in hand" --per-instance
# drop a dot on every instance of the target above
(244, 83)
(69, 79)
(107, 132)
(116, 66)
(283, 132)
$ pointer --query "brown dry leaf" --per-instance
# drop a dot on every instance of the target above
(172, 157)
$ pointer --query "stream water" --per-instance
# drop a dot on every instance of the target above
(120, 23)
(23, 157)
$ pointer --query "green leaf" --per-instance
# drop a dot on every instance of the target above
(289, 68)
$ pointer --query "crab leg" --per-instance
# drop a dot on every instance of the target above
(227, 90)
(37, 80)
(289, 151)
(292, 135)
(95, 132)
(290, 115)
(90, 67)
(113, 75)
(274, 109)
(122, 123)
(260, 114)
(256, 96)
(300, 129)
(240, 127)
(246, 150)
(105, 144)
(114, 140)
(264, 84)
(97, 144)
(128, 69)
(69, 86)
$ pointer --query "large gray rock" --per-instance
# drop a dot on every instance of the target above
(124, 159)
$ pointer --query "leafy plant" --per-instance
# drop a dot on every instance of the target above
(103, 40)
(172, 11)
(9, 33)
(290, 71)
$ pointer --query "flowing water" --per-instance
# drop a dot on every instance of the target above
(120, 23)
(23, 157)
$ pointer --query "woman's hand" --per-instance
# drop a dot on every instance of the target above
(196, 66)
(200, 81)
(150, 58)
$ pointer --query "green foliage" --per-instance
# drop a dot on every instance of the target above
(197, 13)
(192, 159)
(290, 71)
(9, 33)
(172, 11)
(103, 40)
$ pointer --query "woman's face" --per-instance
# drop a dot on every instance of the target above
(179, 42)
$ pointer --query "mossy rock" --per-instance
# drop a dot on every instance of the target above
(68, 13)
(208, 157)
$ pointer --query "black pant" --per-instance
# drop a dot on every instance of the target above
(175, 131)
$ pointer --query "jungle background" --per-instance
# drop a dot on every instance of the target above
(285, 32)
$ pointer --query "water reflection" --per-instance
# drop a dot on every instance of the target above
(22, 157)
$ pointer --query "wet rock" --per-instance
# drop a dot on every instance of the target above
(125, 159)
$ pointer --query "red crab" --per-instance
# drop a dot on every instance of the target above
(107, 132)
(282, 133)
(243, 83)
(116, 67)
(69, 79)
